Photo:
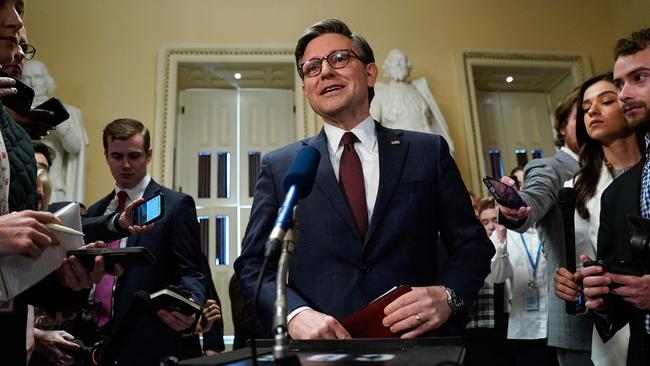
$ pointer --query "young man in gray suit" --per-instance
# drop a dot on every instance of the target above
(571, 335)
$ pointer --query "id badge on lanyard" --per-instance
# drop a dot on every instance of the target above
(531, 292)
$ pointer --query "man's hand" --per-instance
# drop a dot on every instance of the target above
(74, 275)
(211, 313)
(310, 324)
(566, 284)
(513, 213)
(7, 86)
(126, 219)
(417, 311)
(596, 285)
(37, 122)
(177, 321)
(633, 289)
(25, 233)
(54, 344)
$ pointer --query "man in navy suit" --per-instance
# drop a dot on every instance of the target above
(174, 241)
(410, 194)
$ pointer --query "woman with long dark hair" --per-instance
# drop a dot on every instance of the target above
(608, 149)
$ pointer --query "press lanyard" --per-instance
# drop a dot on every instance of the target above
(531, 283)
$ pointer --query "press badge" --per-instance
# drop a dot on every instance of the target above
(531, 299)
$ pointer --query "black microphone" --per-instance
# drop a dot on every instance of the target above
(297, 184)
(567, 202)
(138, 305)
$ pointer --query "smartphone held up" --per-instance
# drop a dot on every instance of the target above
(504, 194)
(148, 211)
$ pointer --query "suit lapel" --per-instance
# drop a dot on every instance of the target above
(100, 207)
(392, 152)
(327, 183)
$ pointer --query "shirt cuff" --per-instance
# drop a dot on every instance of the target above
(295, 312)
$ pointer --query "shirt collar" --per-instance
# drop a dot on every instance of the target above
(647, 146)
(570, 153)
(365, 132)
(137, 191)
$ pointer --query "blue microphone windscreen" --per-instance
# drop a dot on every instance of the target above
(302, 171)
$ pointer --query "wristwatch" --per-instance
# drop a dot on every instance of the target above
(455, 302)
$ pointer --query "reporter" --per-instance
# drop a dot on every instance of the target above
(37, 122)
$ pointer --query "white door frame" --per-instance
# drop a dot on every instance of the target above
(169, 58)
(576, 63)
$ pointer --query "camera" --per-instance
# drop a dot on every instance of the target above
(638, 262)
(86, 355)
(640, 243)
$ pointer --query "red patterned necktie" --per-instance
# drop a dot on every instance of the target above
(104, 288)
(351, 181)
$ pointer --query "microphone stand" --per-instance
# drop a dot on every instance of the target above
(281, 347)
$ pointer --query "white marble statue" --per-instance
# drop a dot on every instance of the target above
(68, 140)
(404, 105)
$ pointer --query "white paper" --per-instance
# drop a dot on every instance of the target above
(20, 273)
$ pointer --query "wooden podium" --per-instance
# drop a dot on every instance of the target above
(369, 352)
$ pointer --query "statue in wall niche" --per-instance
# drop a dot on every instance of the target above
(68, 139)
(404, 105)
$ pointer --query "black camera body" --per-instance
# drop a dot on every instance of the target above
(638, 263)
(640, 243)
(86, 355)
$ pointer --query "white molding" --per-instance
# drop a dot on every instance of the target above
(577, 63)
(166, 112)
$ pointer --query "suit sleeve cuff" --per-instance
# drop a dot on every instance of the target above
(295, 312)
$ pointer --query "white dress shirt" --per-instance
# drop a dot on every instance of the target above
(368, 153)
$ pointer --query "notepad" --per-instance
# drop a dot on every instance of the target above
(18, 273)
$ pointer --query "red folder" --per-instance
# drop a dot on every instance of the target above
(367, 322)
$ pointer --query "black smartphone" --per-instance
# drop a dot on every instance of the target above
(503, 193)
(132, 256)
(20, 102)
(55, 106)
(619, 267)
(148, 211)
(517, 184)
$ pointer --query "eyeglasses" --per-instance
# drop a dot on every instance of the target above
(28, 50)
(337, 59)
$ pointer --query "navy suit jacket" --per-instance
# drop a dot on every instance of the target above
(334, 271)
(620, 199)
(174, 241)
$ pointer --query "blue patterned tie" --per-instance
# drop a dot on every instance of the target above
(645, 201)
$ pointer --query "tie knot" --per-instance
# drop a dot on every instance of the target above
(122, 196)
(349, 138)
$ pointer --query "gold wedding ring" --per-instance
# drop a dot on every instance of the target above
(557, 270)
(418, 318)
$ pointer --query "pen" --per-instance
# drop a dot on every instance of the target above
(64, 229)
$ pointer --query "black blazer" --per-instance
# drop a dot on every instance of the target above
(174, 241)
(620, 199)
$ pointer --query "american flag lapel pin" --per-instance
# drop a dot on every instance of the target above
(394, 142)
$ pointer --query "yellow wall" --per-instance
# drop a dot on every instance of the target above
(102, 53)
